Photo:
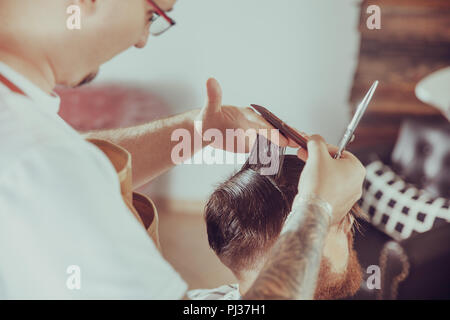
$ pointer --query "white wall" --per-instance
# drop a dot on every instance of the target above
(295, 56)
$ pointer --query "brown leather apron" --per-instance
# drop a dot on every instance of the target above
(142, 207)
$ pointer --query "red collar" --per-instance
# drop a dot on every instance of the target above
(11, 85)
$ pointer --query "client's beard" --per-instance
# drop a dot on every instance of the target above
(331, 285)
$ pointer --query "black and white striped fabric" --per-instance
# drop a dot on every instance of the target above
(397, 208)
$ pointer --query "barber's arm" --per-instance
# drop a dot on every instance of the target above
(150, 144)
(327, 190)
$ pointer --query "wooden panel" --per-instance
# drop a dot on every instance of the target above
(409, 21)
(414, 41)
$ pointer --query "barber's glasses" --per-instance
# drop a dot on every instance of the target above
(160, 22)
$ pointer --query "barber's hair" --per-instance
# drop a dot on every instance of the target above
(245, 214)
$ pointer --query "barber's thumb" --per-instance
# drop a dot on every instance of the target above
(317, 148)
(214, 92)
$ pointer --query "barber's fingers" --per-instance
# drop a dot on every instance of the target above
(317, 148)
(294, 144)
(332, 150)
(302, 154)
(214, 92)
(346, 155)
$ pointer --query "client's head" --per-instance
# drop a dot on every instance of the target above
(245, 215)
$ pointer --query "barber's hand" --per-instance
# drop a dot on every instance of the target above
(216, 116)
(337, 181)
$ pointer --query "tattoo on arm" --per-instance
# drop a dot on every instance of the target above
(293, 265)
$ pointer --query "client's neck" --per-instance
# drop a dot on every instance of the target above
(246, 281)
(247, 278)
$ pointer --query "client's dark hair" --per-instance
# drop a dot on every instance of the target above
(245, 214)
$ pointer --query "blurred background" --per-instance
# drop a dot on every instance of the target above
(295, 57)
(310, 62)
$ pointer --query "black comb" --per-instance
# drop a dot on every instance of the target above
(277, 123)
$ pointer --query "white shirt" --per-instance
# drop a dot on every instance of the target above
(60, 206)
(226, 292)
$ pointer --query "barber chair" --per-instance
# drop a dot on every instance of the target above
(417, 267)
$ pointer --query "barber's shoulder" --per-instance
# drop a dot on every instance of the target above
(62, 160)
(41, 145)
(24, 129)
(82, 157)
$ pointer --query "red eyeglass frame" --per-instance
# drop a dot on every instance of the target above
(161, 12)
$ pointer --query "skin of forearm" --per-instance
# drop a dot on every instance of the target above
(150, 144)
(292, 268)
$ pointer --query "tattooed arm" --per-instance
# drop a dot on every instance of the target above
(293, 266)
